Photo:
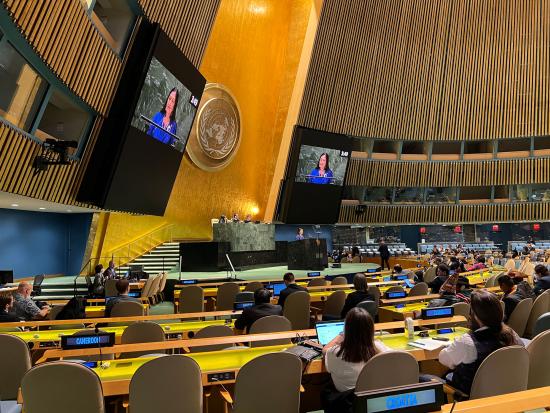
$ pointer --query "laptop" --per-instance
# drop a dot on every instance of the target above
(409, 283)
(327, 330)
(277, 288)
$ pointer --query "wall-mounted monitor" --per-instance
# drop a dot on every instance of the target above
(166, 108)
(138, 152)
(316, 169)
(321, 166)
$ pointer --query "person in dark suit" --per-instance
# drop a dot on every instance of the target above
(360, 294)
(110, 272)
(261, 308)
(543, 279)
(123, 289)
(384, 254)
(512, 295)
(6, 307)
(291, 287)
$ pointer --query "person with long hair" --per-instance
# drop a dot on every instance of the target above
(487, 334)
(321, 174)
(165, 120)
(347, 353)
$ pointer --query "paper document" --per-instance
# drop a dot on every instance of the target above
(429, 344)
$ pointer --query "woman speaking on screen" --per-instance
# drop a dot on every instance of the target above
(165, 120)
(321, 174)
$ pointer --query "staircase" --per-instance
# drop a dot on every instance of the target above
(162, 258)
(165, 257)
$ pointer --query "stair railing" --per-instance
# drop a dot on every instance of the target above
(89, 267)
(131, 250)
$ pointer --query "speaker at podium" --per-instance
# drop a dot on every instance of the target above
(308, 254)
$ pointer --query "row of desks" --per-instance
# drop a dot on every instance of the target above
(116, 374)
(7, 290)
(179, 330)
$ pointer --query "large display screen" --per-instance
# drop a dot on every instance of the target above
(315, 174)
(138, 152)
(166, 108)
(322, 166)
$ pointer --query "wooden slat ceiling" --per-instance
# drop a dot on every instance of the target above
(438, 70)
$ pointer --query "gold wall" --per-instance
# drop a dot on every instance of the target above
(254, 50)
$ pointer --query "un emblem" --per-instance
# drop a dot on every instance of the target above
(216, 133)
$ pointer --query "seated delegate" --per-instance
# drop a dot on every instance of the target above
(442, 273)
(542, 279)
(291, 287)
(6, 307)
(345, 357)
(123, 289)
(261, 308)
(360, 294)
(513, 294)
(488, 333)
(24, 307)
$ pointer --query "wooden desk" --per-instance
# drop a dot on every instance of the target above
(97, 311)
(505, 403)
(213, 292)
(116, 375)
(137, 285)
(406, 300)
(7, 290)
(93, 321)
(178, 344)
(52, 338)
(391, 313)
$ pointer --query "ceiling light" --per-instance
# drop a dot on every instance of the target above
(14, 205)
(68, 210)
(42, 208)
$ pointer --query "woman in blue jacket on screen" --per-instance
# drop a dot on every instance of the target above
(165, 120)
(321, 174)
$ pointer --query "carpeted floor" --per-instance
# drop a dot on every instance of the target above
(256, 274)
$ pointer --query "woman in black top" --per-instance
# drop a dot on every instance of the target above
(360, 294)
(6, 304)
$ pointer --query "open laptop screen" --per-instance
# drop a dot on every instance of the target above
(277, 288)
(326, 331)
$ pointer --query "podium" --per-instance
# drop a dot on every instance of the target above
(308, 254)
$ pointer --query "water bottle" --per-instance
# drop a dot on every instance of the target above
(409, 328)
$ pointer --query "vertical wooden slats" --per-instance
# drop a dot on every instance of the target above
(448, 214)
(365, 172)
(416, 69)
(64, 37)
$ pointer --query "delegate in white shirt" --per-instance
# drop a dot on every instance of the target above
(463, 350)
(344, 374)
